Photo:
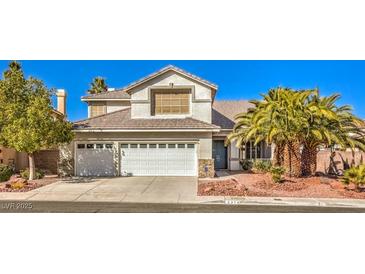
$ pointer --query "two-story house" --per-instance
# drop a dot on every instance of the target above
(166, 124)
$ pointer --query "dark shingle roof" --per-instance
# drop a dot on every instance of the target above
(224, 111)
(122, 120)
(122, 92)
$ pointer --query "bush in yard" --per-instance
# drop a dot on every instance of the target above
(246, 164)
(18, 185)
(5, 173)
(355, 175)
(277, 173)
(262, 165)
(39, 174)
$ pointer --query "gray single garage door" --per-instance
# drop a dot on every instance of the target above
(94, 159)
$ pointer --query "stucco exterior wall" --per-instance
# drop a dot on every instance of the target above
(112, 106)
(200, 99)
(233, 158)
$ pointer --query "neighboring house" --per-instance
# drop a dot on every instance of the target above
(47, 159)
(166, 124)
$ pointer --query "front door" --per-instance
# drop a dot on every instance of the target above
(219, 155)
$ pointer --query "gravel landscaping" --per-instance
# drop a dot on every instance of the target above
(261, 185)
(17, 184)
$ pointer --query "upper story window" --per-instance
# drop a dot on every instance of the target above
(97, 108)
(167, 102)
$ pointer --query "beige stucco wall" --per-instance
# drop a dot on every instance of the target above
(112, 106)
(200, 100)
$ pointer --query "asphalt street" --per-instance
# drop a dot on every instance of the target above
(110, 207)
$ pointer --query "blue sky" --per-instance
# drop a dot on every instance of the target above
(236, 79)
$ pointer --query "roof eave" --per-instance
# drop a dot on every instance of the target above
(147, 130)
(102, 99)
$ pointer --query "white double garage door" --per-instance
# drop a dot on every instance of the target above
(136, 159)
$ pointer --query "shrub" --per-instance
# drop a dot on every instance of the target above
(246, 164)
(355, 175)
(18, 185)
(39, 174)
(277, 173)
(5, 173)
(262, 165)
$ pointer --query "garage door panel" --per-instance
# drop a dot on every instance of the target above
(94, 162)
(159, 160)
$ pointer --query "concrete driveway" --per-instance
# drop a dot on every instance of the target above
(122, 189)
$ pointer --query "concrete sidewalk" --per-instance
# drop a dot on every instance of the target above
(164, 190)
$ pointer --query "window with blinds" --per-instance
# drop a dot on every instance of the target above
(97, 109)
(171, 102)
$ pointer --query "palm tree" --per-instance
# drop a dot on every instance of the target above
(278, 118)
(298, 123)
(98, 85)
(328, 125)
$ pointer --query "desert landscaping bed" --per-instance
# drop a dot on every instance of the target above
(261, 185)
(25, 185)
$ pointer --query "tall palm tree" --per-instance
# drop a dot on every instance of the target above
(278, 118)
(298, 123)
(329, 125)
(98, 85)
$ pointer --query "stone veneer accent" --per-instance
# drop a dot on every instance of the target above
(210, 164)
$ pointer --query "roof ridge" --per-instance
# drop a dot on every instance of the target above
(156, 73)
(105, 92)
(102, 115)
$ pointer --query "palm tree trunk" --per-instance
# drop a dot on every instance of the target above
(278, 154)
(309, 160)
(292, 159)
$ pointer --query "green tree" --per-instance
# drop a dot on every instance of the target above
(298, 123)
(276, 119)
(329, 125)
(98, 85)
(27, 120)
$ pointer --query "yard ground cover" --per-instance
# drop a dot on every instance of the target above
(261, 185)
(27, 185)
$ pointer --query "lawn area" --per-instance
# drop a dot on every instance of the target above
(261, 185)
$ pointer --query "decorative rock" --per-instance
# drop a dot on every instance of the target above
(21, 180)
(337, 185)
(351, 186)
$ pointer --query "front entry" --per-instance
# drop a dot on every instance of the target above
(219, 154)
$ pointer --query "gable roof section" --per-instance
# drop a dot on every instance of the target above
(224, 111)
(123, 92)
(121, 120)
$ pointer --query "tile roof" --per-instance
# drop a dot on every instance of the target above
(224, 111)
(115, 94)
(122, 92)
(122, 120)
